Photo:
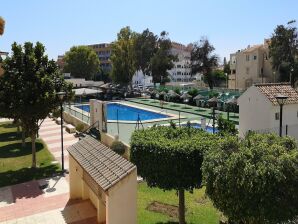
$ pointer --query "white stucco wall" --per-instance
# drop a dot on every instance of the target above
(257, 113)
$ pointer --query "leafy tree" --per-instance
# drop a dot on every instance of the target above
(171, 158)
(82, 62)
(162, 61)
(217, 76)
(123, 57)
(227, 68)
(203, 61)
(226, 127)
(28, 88)
(145, 46)
(2, 25)
(283, 50)
(253, 180)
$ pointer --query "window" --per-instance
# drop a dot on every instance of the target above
(233, 71)
(276, 116)
(247, 70)
(178, 73)
(247, 57)
(178, 66)
(255, 57)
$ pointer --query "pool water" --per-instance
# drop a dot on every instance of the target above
(197, 125)
(127, 113)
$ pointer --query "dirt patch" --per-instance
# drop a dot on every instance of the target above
(166, 209)
(203, 200)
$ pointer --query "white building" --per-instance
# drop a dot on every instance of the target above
(79, 83)
(259, 109)
(141, 80)
(181, 72)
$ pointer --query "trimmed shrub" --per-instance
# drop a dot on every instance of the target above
(118, 147)
(80, 127)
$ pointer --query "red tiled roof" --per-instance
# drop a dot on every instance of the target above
(270, 90)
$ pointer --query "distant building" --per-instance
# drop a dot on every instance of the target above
(103, 51)
(181, 72)
(259, 110)
(3, 55)
(141, 80)
(61, 62)
(251, 66)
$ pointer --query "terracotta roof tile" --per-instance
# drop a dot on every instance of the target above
(270, 90)
(99, 162)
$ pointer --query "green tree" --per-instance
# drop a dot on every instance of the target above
(2, 25)
(171, 158)
(82, 62)
(162, 61)
(254, 180)
(28, 88)
(217, 76)
(123, 57)
(203, 61)
(145, 46)
(227, 68)
(283, 50)
(226, 127)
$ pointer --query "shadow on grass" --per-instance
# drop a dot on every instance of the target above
(7, 125)
(9, 136)
(16, 150)
(200, 110)
(26, 174)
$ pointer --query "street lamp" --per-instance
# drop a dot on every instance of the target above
(61, 96)
(281, 99)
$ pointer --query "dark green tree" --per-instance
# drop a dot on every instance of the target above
(28, 88)
(283, 50)
(145, 46)
(171, 158)
(123, 57)
(162, 61)
(254, 180)
(217, 76)
(203, 60)
(82, 62)
(226, 127)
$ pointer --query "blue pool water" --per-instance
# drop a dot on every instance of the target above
(126, 113)
(197, 125)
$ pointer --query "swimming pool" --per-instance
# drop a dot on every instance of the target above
(127, 113)
(197, 125)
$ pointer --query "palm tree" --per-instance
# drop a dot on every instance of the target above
(203, 61)
(2, 25)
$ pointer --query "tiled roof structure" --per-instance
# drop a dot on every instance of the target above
(102, 166)
(270, 90)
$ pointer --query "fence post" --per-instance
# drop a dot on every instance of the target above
(286, 129)
(117, 122)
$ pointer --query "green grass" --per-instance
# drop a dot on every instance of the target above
(15, 161)
(199, 208)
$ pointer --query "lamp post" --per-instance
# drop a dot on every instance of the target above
(281, 99)
(61, 97)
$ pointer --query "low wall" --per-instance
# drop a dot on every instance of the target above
(74, 120)
(108, 140)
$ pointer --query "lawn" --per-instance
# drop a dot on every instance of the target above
(199, 209)
(15, 161)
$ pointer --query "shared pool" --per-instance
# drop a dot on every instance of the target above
(197, 125)
(127, 113)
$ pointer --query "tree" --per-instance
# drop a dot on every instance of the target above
(82, 62)
(162, 60)
(2, 25)
(227, 68)
(28, 88)
(283, 50)
(226, 127)
(123, 57)
(254, 180)
(217, 76)
(145, 46)
(171, 158)
(203, 61)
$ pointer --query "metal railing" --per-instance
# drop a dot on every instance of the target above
(78, 113)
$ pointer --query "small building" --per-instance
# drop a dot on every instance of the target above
(106, 178)
(259, 109)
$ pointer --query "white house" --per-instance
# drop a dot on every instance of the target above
(139, 79)
(259, 109)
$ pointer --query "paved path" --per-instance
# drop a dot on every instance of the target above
(46, 201)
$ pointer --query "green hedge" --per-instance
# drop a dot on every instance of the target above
(171, 158)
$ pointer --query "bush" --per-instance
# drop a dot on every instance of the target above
(253, 180)
(80, 127)
(56, 113)
(226, 127)
(118, 147)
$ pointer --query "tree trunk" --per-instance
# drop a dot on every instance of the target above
(33, 138)
(181, 206)
(23, 137)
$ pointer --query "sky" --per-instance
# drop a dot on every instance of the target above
(229, 25)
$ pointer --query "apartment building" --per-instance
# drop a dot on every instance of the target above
(251, 66)
(181, 72)
(103, 51)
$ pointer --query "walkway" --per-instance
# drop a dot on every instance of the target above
(46, 201)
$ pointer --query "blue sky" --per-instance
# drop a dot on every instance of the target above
(59, 24)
